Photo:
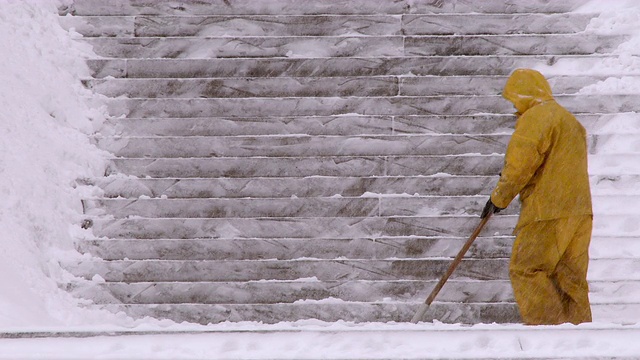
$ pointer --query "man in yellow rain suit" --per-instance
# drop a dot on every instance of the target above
(546, 163)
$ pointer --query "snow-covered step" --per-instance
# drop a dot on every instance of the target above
(318, 25)
(275, 292)
(185, 228)
(331, 106)
(615, 270)
(302, 146)
(354, 46)
(320, 86)
(343, 125)
(372, 247)
(334, 206)
(330, 310)
(472, 165)
(351, 125)
(285, 7)
(322, 228)
(337, 206)
(322, 269)
(129, 187)
(352, 66)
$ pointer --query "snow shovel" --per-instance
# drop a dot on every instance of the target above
(424, 307)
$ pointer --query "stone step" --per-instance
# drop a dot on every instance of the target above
(615, 144)
(331, 228)
(493, 65)
(276, 292)
(288, 7)
(322, 25)
(302, 146)
(336, 206)
(614, 165)
(332, 310)
(346, 125)
(321, 86)
(185, 188)
(335, 166)
(354, 46)
(332, 106)
(118, 186)
(424, 269)
(286, 249)
(321, 228)
(372, 247)
(322, 270)
(325, 125)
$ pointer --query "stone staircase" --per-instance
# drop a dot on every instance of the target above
(282, 160)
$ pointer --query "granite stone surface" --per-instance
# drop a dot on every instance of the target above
(325, 186)
(294, 248)
(185, 228)
(493, 65)
(483, 165)
(330, 312)
(302, 146)
(282, 7)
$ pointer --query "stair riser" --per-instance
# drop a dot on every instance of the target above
(285, 7)
(191, 108)
(289, 292)
(338, 67)
(322, 228)
(289, 249)
(369, 248)
(355, 291)
(326, 270)
(317, 125)
(346, 46)
(300, 207)
(319, 87)
(303, 146)
(322, 207)
(329, 312)
(344, 125)
(300, 187)
(324, 186)
(607, 270)
(341, 25)
(319, 166)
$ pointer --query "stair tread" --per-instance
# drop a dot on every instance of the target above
(319, 86)
(330, 311)
(354, 46)
(352, 66)
(279, 7)
(323, 25)
(332, 106)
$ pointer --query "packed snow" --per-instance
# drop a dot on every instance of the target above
(46, 120)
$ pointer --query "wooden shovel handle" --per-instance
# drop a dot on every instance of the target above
(452, 267)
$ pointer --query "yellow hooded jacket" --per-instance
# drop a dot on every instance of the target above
(546, 159)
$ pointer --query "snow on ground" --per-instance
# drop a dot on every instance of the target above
(45, 119)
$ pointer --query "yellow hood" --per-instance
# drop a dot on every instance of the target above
(526, 88)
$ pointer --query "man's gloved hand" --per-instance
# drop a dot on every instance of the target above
(490, 208)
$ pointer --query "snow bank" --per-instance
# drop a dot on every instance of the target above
(44, 122)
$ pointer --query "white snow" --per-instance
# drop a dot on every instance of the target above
(45, 121)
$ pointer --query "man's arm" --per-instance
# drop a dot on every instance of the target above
(525, 153)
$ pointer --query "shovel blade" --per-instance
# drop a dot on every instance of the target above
(420, 313)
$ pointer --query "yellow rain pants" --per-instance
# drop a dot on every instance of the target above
(548, 271)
